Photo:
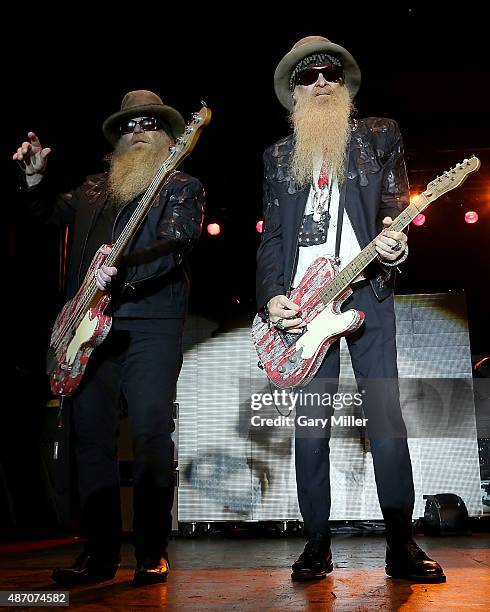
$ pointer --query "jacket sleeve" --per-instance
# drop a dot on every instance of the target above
(395, 195)
(44, 206)
(177, 233)
(270, 269)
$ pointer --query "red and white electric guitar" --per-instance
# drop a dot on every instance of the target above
(82, 324)
(291, 360)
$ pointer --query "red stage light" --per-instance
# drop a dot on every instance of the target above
(260, 226)
(419, 219)
(214, 229)
(471, 216)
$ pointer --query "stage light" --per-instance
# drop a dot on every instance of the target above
(481, 369)
(260, 226)
(414, 198)
(419, 220)
(214, 229)
(471, 216)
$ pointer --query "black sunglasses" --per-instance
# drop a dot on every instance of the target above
(309, 76)
(147, 124)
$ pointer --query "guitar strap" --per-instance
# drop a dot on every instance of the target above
(340, 216)
(340, 220)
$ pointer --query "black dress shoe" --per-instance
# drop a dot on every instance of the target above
(85, 570)
(151, 572)
(314, 563)
(409, 561)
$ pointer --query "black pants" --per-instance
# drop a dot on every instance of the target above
(373, 353)
(141, 359)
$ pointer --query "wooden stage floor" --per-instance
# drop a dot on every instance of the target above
(218, 573)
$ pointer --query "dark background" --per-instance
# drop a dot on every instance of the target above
(65, 73)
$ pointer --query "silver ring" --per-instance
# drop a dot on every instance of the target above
(397, 246)
(279, 324)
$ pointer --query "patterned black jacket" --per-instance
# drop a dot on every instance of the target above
(376, 187)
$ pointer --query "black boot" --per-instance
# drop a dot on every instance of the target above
(314, 563)
(86, 569)
(409, 561)
(151, 571)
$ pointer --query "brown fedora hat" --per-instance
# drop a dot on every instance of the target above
(309, 46)
(142, 103)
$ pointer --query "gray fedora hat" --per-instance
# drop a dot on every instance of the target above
(309, 46)
(142, 103)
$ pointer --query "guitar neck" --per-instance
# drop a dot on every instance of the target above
(369, 253)
(435, 189)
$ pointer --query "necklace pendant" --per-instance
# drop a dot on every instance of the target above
(317, 216)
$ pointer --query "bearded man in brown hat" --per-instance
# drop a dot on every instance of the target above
(330, 189)
(141, 357)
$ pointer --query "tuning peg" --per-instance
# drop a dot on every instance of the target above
(203, 102)
(179, 140)
(188, 129)
(196, 117)
(172, 149)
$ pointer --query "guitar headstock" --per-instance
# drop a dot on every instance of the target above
(447, 181)
(185, 144)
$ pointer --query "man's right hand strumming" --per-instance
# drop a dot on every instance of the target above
(283, 314)
(32, 159)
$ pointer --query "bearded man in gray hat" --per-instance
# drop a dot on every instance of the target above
(141, 357)
(330, 188)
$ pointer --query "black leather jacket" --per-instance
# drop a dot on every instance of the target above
(376, 187)
(152, 278)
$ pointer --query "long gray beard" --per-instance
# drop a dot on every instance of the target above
(131, 170)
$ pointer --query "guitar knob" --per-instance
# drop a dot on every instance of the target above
(281, 369)
(292, 359)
